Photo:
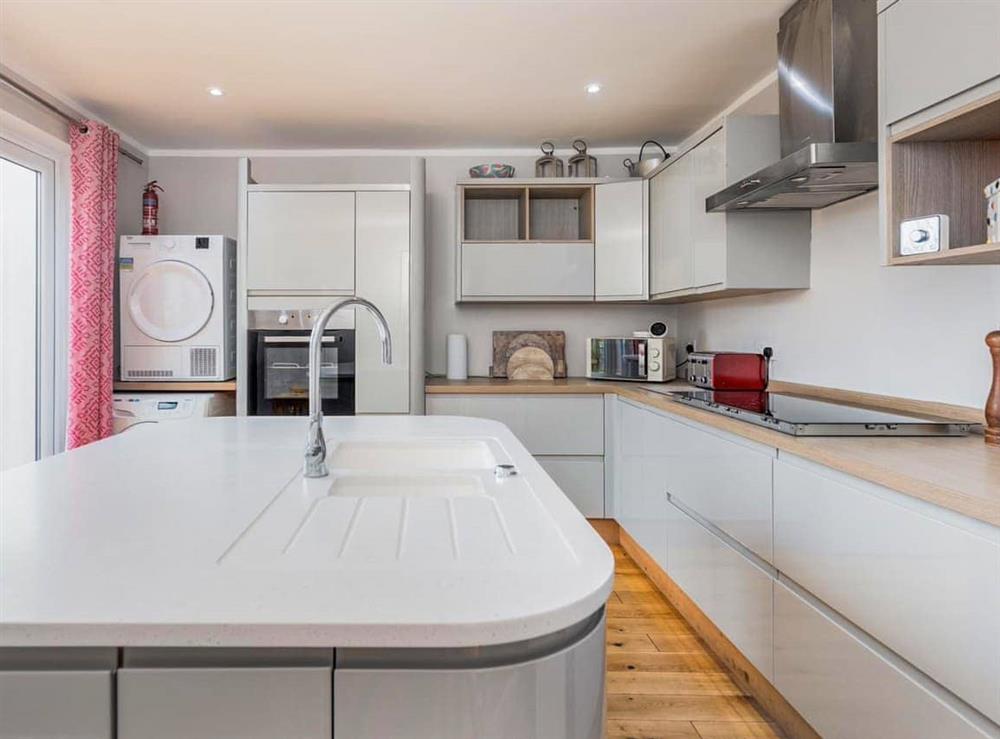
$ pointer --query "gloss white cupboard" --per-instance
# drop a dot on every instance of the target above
(300, 242)
(924, 583)
(694, 254)
(621, 249)
(846, 688)
(932, 50)
(565, 433)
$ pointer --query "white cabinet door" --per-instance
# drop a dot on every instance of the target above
(844, 689)
(671, 266)
(56, 703)
(581, 479)
(933, 49)
(708, 230)
(533, 270)
(734, 593)
(927, 589)
(208, 703)
(557, 696)
(383, 258)
(300, 241)
(545, 424)
(620, 241)
(641, 498)
(726, 480)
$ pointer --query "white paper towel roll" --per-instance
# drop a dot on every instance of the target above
(458, 357)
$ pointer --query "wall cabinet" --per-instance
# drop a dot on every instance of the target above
(939, 126)
(300, 242)
(934, 49)
(565, 433)
(694, 254)
(864, 552)
(845, 689)
(525, 240)
(621, 251)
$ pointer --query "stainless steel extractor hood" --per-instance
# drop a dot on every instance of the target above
(827, 90)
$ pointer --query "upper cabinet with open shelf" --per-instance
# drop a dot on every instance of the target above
(535, 240)
(939, 69)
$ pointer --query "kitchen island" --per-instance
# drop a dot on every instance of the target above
(192, 578)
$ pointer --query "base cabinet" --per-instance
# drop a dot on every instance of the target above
(844, 689)
(733, 592)
(581, 479)
(557, 696)
(565, 433)
(216, 703)
(872, 556)
(51, 704)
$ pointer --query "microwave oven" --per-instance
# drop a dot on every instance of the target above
(637, 359)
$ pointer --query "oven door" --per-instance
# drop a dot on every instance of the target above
(281, 377)
(618, 359)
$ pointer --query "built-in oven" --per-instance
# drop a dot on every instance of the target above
(278, 366)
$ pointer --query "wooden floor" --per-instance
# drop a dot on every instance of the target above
(662, 681)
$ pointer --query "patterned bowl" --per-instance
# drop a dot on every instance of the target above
(492, 170)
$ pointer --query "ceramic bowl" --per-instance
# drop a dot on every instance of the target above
(492, 170)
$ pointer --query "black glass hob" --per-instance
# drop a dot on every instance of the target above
(801, 416)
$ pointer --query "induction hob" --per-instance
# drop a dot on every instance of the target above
(800, 416)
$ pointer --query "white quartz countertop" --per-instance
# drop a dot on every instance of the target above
(204, 533)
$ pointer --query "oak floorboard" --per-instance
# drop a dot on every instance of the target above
(637, 729)
(684, 707)
(731, 730)
(671, 683)
(661, 680)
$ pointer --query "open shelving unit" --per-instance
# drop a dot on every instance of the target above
(942, 166)
(536, 213)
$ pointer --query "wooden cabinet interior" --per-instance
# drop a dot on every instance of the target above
(561, 214)
(543, 213)
(942, 167)
(494, 214)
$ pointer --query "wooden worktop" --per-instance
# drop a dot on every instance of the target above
(961, 474)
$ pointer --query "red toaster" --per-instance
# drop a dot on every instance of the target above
(728, 370)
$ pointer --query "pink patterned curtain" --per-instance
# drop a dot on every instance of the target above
(94, 182)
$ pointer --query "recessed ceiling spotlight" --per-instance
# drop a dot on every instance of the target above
(593, 88)
(216, 92)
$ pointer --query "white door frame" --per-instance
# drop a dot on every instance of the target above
(32, 148)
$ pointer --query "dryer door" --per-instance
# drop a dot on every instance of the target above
(170, 301)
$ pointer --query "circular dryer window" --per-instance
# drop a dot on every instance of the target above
(171, 301)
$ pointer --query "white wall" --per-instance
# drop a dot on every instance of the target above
(913, 332)
(478, 321)
(200, 196)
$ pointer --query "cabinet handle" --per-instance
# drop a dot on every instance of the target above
(749, 183)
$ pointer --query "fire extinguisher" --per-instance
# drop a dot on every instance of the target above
(150, 209)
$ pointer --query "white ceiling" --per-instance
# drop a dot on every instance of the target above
(393, 74)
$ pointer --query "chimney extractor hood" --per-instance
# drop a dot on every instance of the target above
(828, 112)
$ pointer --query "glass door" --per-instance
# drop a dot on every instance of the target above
(27, 299)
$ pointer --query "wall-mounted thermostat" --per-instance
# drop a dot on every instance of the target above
(923, 235)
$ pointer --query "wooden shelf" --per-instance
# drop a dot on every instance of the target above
(979, 254)
(226, 386)
(942, 166)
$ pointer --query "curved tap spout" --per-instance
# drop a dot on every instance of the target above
(315, 457)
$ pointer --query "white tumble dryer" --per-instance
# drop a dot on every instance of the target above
(177, 307)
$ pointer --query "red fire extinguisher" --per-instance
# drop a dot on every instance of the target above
(150, 209)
